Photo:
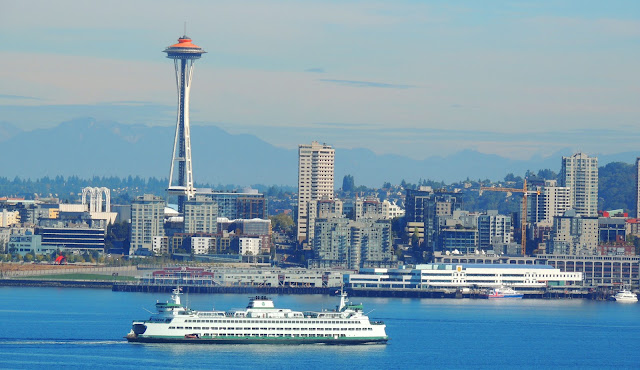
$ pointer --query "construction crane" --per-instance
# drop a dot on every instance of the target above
(523, 218)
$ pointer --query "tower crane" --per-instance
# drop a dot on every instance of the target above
(523, 219)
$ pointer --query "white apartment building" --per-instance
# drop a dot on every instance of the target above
(202, 244)
(580, 174)
(552, 201)
(391, 210)
(494, 229)
(250, 246)
(147, 221)
(200, 215)
(315, 179)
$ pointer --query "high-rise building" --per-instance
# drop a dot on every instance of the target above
(315, 179)
(184, 54)
(200, 215)
(494, 230)
(549, 202)
(147, 221)
(580, 174)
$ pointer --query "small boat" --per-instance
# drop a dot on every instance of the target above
(624, 296)
(502, 292)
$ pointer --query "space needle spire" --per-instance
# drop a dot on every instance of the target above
(184, 54)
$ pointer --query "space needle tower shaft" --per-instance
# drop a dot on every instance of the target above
(184, 54)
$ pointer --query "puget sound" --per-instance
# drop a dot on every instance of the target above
(84, 328)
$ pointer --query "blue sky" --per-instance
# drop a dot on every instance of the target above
(415, 78)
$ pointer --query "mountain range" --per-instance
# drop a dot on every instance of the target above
(85, 147)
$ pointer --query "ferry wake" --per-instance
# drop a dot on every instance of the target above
(260, 322)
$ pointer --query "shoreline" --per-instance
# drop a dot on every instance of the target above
(257, 290)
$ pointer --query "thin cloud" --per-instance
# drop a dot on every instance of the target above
(315, 70)
(18, 97)
(367, 84)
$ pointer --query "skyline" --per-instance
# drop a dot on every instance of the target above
(515, 79)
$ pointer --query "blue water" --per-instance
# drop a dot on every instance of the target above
(82, 328)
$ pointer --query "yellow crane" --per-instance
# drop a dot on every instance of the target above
(523, 218)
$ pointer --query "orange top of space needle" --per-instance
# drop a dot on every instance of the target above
(184, 49)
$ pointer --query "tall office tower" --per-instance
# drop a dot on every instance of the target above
(147, 222)
(638, 187)
(580, 173)
(315, 179)
(184, 54)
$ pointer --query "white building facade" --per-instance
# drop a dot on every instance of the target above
(580, 174)
(315, 179)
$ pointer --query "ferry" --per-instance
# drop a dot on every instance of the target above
(624, 296)
(260, 322)
(502, 292)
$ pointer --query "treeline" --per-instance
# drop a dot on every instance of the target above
(617, 188)
(123, 189)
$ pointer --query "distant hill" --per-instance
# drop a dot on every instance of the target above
(86, 148)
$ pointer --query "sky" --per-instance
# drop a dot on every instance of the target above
(414, 78)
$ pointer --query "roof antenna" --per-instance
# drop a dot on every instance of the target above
(185, 28)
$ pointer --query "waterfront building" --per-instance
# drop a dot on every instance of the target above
(315, 180)
(147, 221)
(200, 215)
(580, 174)
(465, 275)
(573, 234)
(599, 271)
(340, 242)
(184, 54)
(246, 276)
(76, 238)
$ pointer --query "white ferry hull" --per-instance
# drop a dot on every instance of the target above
(259, 340)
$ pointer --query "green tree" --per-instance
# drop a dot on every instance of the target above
(282, 222)
(348, 183)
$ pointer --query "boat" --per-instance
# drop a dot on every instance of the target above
(502, 292)
(260, 322)
(624, 296)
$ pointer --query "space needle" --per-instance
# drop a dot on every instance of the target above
(184, 54)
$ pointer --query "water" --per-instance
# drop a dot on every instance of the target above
(82, 328)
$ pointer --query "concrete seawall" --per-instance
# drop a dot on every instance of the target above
(259, 290)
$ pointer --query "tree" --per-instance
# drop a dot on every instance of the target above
(282, 222)
(348, 183)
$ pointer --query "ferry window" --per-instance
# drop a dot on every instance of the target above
(179, 327)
